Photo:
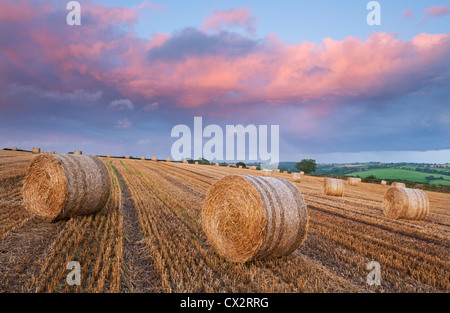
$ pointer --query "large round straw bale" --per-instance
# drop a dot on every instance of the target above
(398, 185)
(296, 177)
(406, 203)
(36, 150)
(383, 182)
(333, 187)
(78, 152)
(60, 186)
(352, 181)
(249, 217)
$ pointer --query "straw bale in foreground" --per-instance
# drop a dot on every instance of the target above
(406, 203)
(251, 217)
(60, 186)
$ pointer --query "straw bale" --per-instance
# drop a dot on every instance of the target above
(60, 186)
(352, 181)
(296, 177)
(406, 203)
(251, 218)
(333, 187)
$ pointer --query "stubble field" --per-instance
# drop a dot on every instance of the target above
(149, 239)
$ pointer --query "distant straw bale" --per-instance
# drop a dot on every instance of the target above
(296, 177)
(267, 172)
(333, 187)
(352, 181)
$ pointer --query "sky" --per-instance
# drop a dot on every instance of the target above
(339, 89)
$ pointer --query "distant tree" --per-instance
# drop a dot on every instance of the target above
(307, 166)
(241, 164)
(203, 161)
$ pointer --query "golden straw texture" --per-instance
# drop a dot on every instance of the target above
(14, 149)
(251, 218)
(333, 187)
(406, 203)
(154, 158)
(78, 152)
(168, 160)
(383, 182)
(60, 186)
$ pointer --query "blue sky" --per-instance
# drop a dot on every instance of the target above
(341, 90)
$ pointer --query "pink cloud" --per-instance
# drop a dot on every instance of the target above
(216, 77)
(437, 11)
(231, 18)
(408, 13)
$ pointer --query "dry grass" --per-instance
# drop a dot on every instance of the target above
(149, 238)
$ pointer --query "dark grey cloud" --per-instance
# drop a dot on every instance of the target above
(193, 42)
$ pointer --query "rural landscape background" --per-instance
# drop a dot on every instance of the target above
(149, 238)
(353, 98)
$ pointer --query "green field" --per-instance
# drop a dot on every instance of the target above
(405, 173)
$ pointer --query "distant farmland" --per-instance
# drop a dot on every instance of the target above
(405, 174)
(415, 173)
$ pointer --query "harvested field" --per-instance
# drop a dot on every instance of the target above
(149, 238)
